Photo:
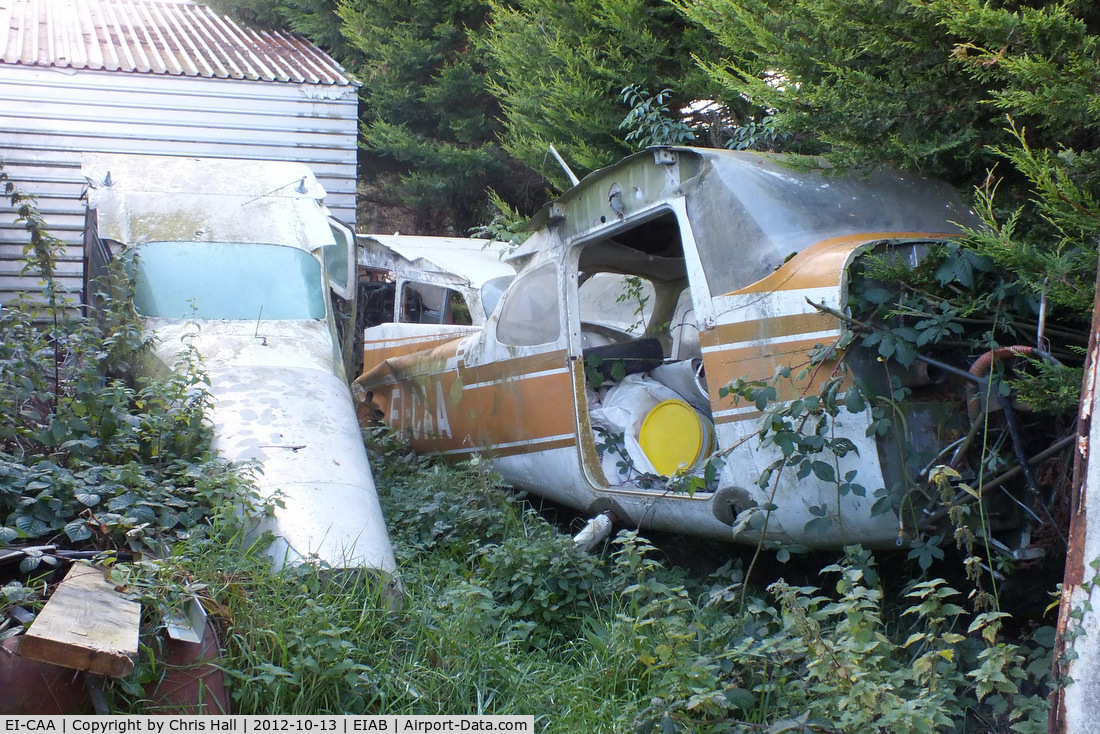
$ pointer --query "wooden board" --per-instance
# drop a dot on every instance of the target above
(86, 625)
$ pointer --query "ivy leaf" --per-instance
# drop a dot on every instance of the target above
(618, 370)
(739, 698)
(31, 526)
(925, 552)
(143, 514)
(844, 446)
(906, 333)
(785, 442)
(905, 353)
(857, 489)
(887, 345)
(878, 296)
(882, 505)
(763, 396)
(955, 269)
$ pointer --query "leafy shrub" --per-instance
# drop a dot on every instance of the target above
(505, 615)
(89, 453)
(814, 662)
(543, 584)
(430, 506)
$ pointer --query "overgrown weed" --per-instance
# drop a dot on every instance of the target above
(503, 615)
(520, 623)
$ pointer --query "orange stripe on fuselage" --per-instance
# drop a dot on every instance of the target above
(763, 330)
(506, 404)
(378, 351)
(761, 363)
(757, 348)
(510, 368)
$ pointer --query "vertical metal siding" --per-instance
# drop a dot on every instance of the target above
(49, 117)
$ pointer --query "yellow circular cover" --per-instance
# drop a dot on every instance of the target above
(673, 436)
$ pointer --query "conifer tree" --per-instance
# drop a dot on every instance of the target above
(560, 69)
(1000, 95)
(425, 112)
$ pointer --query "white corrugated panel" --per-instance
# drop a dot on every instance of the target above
(175, 37)
(48, 117)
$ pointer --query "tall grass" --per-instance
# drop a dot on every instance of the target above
(502, 615)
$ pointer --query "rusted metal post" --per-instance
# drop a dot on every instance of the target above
(1076, 706)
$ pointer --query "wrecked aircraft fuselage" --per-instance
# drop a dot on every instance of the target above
(642, 292)
(240, 261)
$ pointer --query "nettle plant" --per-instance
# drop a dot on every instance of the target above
(91, 456)
(981, 344)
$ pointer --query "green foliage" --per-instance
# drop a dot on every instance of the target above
(88, 456)
(856, 677)
(958, 299)
(865, 79)
(595, 366)
(519, 622)
(438, 510)
(313, 660)
(1037, 60)
(946, 88)
(801, 430)
(1049, 244)
(99, 459)
(319, 21)
(542, 584)
(764, 134)
(559, 70)
(1048, 387)
(425, 111)
(956, 296)
(649, 121)
(899, 318)
(506, 225)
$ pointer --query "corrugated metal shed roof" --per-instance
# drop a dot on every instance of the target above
(174, 37)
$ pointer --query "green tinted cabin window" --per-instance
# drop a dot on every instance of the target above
(336, 261)
(217, 280)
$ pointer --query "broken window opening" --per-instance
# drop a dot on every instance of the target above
(376, 299)
(645, 388)
(427, 303)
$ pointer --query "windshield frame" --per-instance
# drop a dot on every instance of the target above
(290, 285)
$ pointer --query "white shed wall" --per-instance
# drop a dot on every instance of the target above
(48, 117)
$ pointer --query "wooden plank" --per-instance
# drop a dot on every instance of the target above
(86, 625)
